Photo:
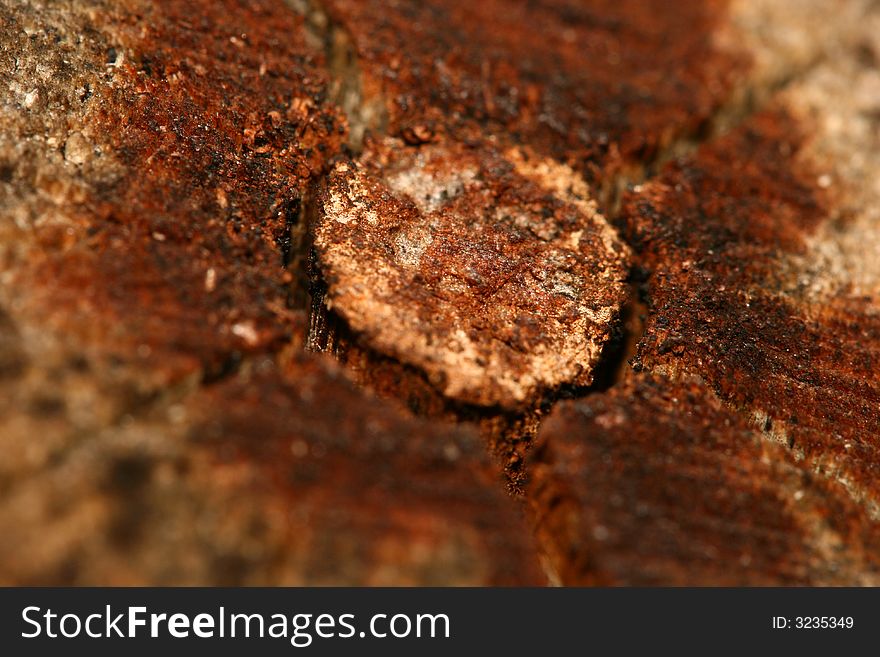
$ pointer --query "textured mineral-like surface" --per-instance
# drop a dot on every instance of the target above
(490, 271)
(594, 286)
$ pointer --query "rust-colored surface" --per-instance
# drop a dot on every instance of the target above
(656, 483)
(169, 172)
(746, 452)
(604, 86)
(745, 196)
(489, 271)
(269, 477)
(381, 498)
(717, 232)
(197, 138)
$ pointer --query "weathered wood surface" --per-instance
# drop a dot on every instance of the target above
(601, 279)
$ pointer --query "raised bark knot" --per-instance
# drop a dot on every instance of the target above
(489, 269)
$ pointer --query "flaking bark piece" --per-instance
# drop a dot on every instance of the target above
(492, 272)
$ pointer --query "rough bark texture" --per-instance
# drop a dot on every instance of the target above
(622, 253)
(655, 483)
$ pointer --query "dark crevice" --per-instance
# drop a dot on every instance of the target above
(13, 358)
(295, 255)
(621, 348)
(221, 369)
(365, 113)
(291, 234)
